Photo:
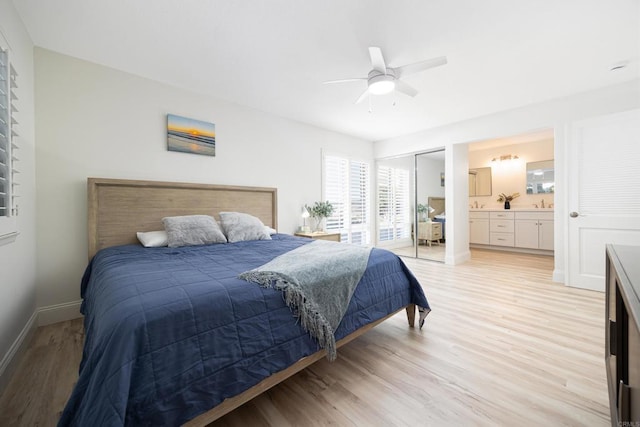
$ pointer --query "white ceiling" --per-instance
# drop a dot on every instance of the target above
(274, 55)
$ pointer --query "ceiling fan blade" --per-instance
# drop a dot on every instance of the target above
(377, 60)
(363, 96)
(406, 70)
(405, 88)
(357, 79)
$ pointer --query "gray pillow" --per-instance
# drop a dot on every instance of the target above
(239, 226)
(191, 230)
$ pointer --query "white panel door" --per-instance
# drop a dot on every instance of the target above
(603, 192)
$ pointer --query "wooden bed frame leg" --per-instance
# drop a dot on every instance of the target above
(411, 314)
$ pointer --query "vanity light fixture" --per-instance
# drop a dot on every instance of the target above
(506, 157)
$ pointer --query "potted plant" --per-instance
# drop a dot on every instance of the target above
(422, 212)
(319, 211)
(507, 199)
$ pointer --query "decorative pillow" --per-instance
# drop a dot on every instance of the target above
(191, 230)
(239, 227)
(153, 239)
(270, 230)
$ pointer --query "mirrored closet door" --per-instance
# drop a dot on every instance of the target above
(410, 205)
(430, 205)
(395, 205)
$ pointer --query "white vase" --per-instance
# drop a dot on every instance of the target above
(319, 228)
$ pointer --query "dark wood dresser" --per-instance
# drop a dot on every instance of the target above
(622, 343)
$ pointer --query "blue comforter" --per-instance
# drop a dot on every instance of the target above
(170, 333)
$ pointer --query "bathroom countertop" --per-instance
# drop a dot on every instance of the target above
(511, 210)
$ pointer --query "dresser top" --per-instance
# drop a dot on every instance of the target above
(627, 257)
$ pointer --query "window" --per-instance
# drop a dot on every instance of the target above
(394, 207)
(8, 145)
(346, 187)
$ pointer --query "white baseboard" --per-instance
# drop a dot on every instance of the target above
(42, 316)
(458, 258)
(10, 361)
(558, 276)
(58, 313)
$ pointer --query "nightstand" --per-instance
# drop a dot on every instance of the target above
(335, 237)
(430, 232)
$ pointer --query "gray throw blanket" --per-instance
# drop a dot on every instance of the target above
(318, 281)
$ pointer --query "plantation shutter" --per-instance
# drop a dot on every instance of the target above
(336, 192)
(402, 204)
(346, 187)
(8, 137)
(385, 198)
(359, 203)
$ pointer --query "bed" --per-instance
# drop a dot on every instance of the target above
(172, 335)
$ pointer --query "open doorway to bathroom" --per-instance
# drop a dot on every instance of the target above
(520, 169)
(411, 205)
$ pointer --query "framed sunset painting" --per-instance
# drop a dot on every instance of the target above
(191, 136)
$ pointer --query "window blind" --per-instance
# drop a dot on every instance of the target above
(347, 187)
(394, 208)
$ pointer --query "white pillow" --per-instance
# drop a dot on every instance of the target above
(191, 230)
(270, 230)
(239, 227)
(153, 239)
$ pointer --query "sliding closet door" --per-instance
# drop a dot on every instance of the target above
(394, 205)
(430, 205)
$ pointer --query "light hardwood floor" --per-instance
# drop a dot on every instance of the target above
(434, 252)
(503, 346)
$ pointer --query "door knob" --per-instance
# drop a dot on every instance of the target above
(574, 214)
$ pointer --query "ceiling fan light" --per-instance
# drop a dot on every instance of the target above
(381, 87)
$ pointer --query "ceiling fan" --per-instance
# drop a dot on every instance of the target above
(382, 79)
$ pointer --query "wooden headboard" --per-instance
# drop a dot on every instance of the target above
(437, 203)
(118, 208)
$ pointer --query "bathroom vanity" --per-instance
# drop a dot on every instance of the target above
(522, 230)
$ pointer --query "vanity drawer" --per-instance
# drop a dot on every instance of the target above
(478, 215)
(501, 215)
(501, 225)
(501, 239)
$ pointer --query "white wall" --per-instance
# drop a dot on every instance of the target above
(95, 121)
(510, 176)
(429, 178)
(556, 114)
(18, 259)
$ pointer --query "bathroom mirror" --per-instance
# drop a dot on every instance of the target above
(540, 177)
(480, 182)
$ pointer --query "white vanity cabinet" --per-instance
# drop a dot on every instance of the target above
(522, 230)
(534, 230)
(479, 228)
(501, 229)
